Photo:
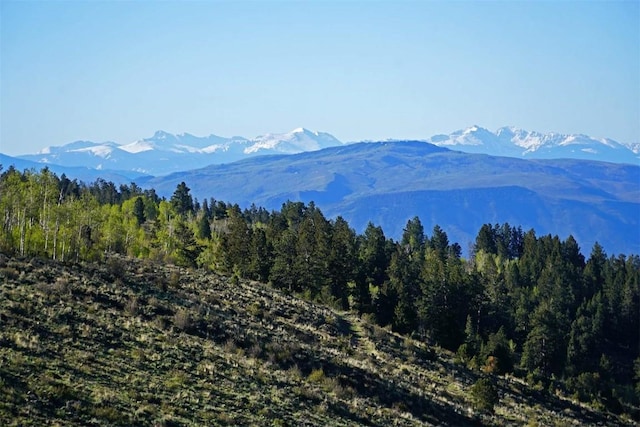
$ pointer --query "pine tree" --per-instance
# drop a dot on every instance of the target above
(138, 210)
(236, 242)
(342, 260)
(187, 249)
(181, 200)
(204, 229)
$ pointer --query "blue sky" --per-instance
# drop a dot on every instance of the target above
(359, 70)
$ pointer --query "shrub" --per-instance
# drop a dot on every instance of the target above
(116, 268)
(9, 273)
(316, 376)
(174, 279)
(484, 395)
(182, 320)
(464, 355)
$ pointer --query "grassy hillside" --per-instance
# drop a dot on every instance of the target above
(129, 342)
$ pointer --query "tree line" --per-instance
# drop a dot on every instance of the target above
(530, 305)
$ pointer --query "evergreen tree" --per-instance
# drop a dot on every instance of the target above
(187, 249)
(342, 260)
(282, 273)
(260, 256)
(138, 210)
(496, 353)
(204, 228)
(413, 237)
(312, 251)
(403, 279)
(486, 240)
(439, 242)
(181, 200)
(484, 395)
(544, 349)
(373, 255)
(236, 242)
(205, 209)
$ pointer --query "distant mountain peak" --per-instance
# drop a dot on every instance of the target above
(516, 142)
(295, 141)
(160, 134)
(165, 152)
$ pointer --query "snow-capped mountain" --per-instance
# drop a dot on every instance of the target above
(296, 141)
(513, 142)
(164, 152)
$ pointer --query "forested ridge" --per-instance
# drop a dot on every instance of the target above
(533, 306)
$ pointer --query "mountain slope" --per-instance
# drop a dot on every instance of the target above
(164, 152)
(513, 142)
(391, 182)
(129, 342)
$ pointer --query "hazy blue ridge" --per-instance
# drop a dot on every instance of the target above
(390, 182)
(80, 173)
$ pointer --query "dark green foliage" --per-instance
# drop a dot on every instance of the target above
(236, 243)
(484, 395)
(502, 240)
(342, 262)
(260, 256)
(187, 248)
(138, 211)
(204, 229)
(496, 354)
(181, 199)
(544, 348)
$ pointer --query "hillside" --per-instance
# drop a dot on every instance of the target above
(390, 182)
(132, 342)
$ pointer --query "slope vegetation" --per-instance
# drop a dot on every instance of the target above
(132, 342)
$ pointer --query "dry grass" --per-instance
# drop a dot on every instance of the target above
(114, 345)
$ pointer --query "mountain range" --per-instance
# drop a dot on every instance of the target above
(390, 182)
(164, 153)
(513, 142)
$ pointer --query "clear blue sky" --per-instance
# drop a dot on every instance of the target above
(360, 70)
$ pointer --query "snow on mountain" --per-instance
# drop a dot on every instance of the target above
(635, 148)
(97, 148)
(164, 152)
(514, 142)
(102, 150)
(296, 141)
(138, 146)
(181, 143)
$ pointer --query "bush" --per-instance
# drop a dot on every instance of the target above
(484, 395)
(316, 376)
(182, 320)
(116, 268)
